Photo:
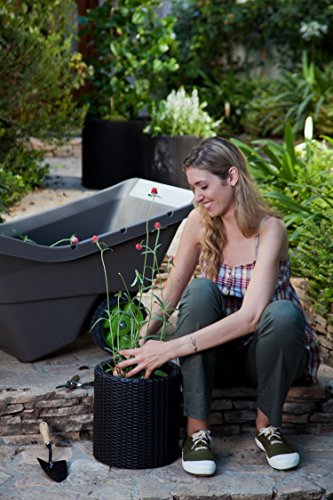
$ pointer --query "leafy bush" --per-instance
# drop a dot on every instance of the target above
(324, 122)
(224, 45)
(211, 30)
(291, 98)
(131, 58)
(297, 181)
(181, 114)
(40, 68)
(312, 259)
(41, 72)
(21, 171)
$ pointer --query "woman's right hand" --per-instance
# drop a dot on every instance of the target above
(152, 355)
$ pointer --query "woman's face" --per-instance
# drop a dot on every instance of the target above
(215, 194)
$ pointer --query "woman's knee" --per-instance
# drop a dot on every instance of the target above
(282, 319)
(199, 293)
(200, 305)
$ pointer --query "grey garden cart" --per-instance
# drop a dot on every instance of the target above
(48, 295)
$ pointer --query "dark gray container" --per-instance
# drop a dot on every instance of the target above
(164, 157)
(48, 295)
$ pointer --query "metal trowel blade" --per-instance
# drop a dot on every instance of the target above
(55, 470)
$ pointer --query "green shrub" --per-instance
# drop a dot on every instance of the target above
(20, 172)
(40, 69)
(291, 98)
(312, 259)
(211, 32)
(324, 122)
(131, 58)
(297, 181)
(41, 72)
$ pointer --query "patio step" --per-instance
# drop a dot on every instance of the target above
(69, 413)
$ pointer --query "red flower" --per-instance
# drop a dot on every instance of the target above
(157, 225)
(138, 246)
(74, 240)
(95, 238)
(153, 191)
(170, 258)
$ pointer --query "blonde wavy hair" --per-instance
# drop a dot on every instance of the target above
(217, 155)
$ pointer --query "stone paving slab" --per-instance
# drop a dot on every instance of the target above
(242, 473)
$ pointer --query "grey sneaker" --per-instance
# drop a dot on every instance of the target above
(198, 457)
(279, 453)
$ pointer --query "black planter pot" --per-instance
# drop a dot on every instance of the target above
(112, 151)
(136, 421)
(164, 156)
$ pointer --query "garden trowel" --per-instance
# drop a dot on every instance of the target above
(55, 470)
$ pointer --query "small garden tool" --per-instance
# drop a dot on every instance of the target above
(55, 470)
(73, 383)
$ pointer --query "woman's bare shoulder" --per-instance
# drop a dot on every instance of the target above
(193, 225)
(194, 215)
(273, 233)
(272, 224)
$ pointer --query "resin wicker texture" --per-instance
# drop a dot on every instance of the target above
(136, 420)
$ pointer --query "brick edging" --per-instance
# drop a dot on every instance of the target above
(70, 413)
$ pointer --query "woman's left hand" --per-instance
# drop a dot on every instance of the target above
(151, 355)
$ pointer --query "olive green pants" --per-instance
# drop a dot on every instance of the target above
(274, 359)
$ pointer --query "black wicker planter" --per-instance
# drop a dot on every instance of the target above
(136, 421)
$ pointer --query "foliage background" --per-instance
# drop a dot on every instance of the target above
(131, 46)
(38, 74)
(212, 32)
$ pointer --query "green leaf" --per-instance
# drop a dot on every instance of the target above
(160, 373)
(157, 66)
(290, 143)
(289, 203)
(139, 17)
(288, 168)
(114, 50)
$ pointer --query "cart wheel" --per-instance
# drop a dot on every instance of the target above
(118, 334)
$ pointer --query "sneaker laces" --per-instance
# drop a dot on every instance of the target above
(201, 440)
(272, 433)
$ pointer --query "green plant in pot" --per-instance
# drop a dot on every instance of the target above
(135, 419)
(118, 321)
(131, 56)
(177, 124)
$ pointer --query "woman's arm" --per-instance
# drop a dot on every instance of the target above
(273, 247)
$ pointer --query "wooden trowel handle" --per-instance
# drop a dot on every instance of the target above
(44, 430)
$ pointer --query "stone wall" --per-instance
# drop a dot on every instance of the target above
(308, 409)
(70, 413)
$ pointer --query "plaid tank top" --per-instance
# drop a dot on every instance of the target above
(233, 283)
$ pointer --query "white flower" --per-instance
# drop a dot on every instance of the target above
(312, 29)
(308, 129)
(182, 114)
